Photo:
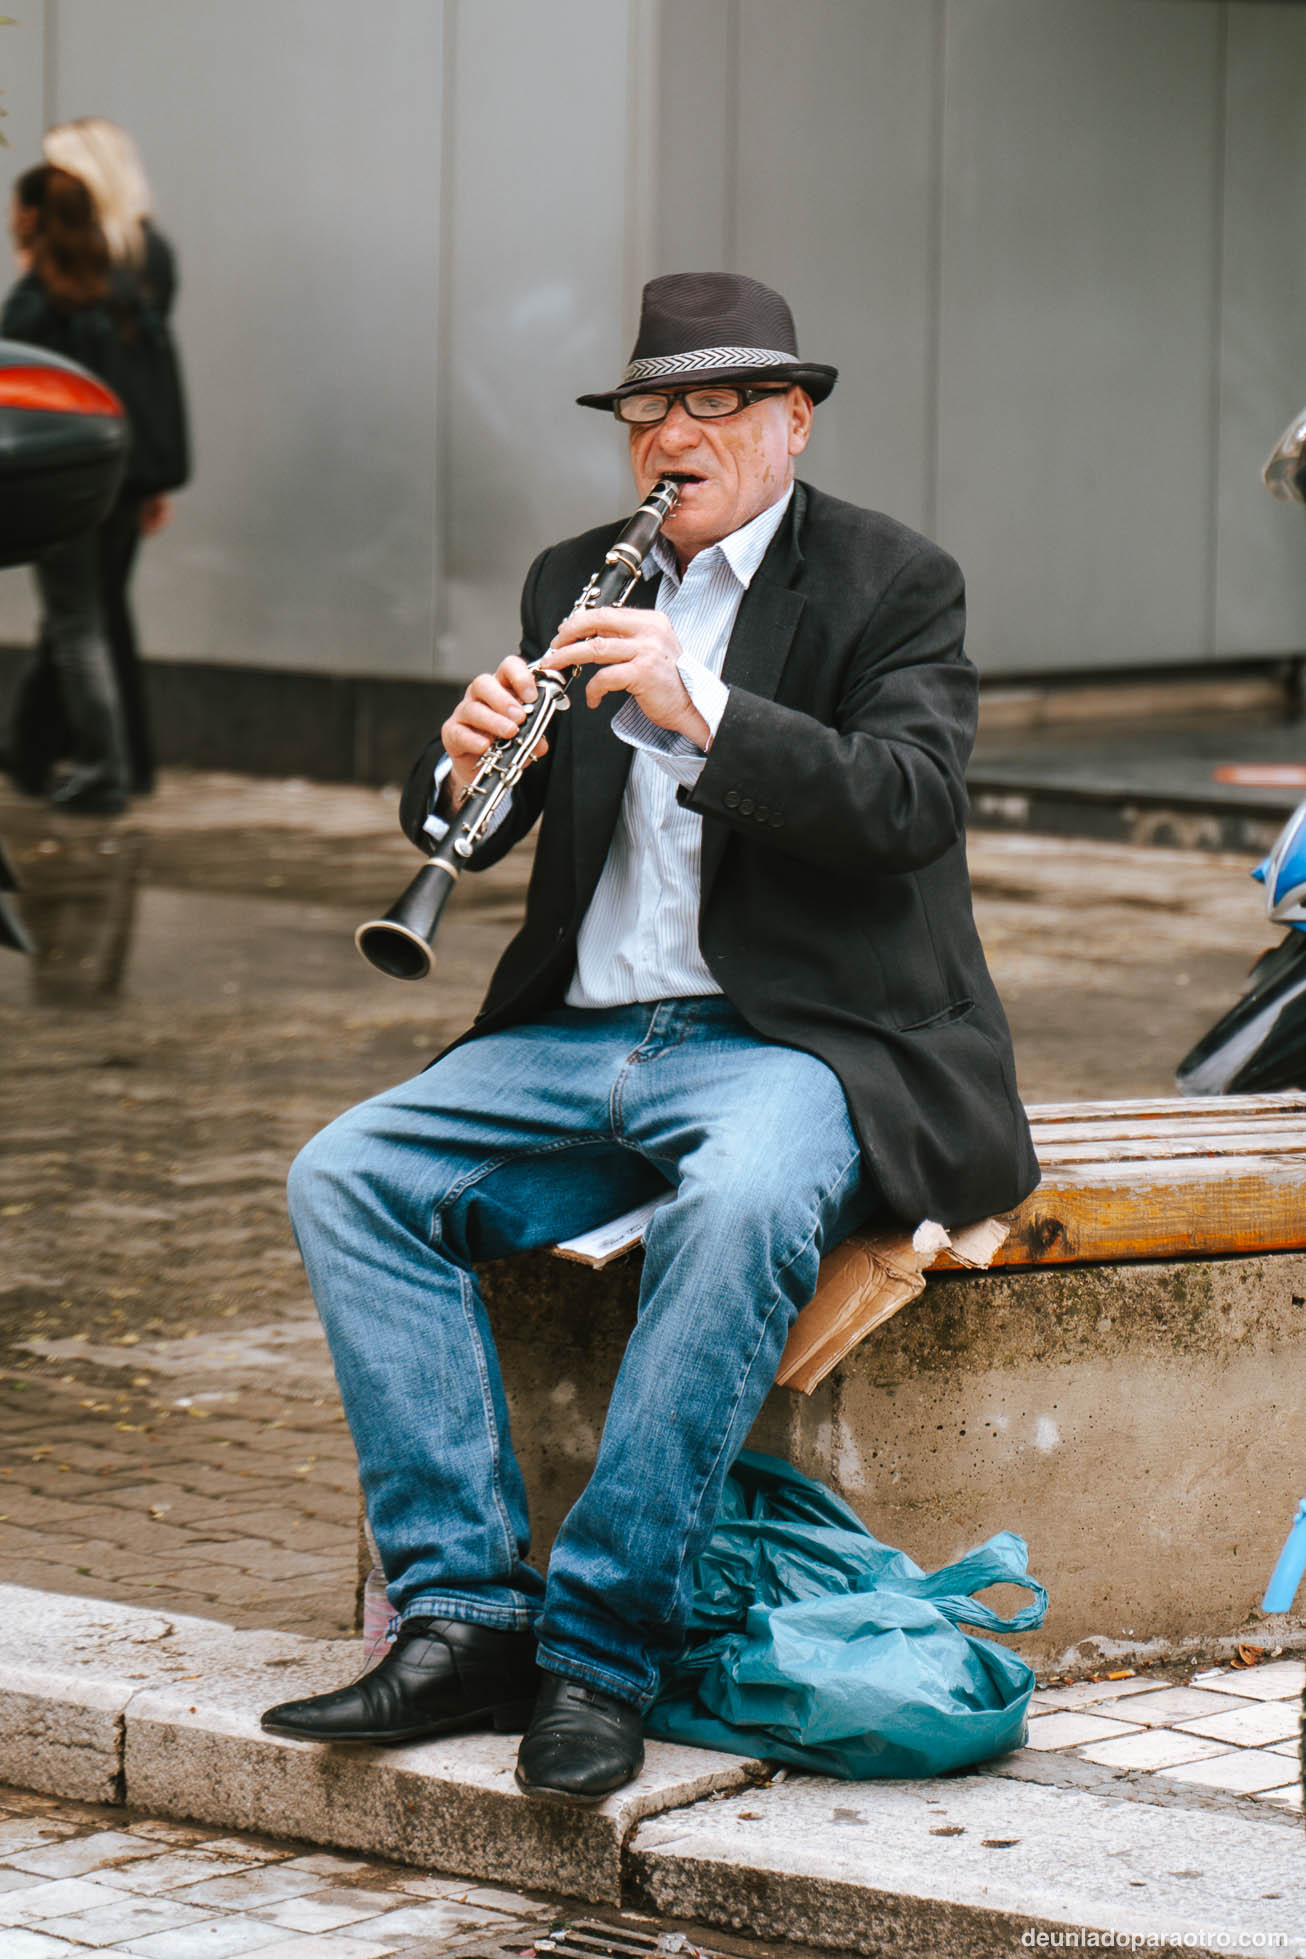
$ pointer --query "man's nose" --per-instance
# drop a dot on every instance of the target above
(679, 430)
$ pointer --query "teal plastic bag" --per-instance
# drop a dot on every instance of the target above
(812, 1643)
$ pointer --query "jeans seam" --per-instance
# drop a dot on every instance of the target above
(744, 1372)
(487, 1169)
(492, 1426)
(798, 1250)
(434, 1239)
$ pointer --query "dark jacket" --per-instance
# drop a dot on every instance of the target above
(126, 340)
(835, 911)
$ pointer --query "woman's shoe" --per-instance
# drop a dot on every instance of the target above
(88, 792)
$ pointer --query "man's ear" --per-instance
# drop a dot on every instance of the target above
(800, 420)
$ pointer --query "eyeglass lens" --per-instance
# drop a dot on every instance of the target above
(703, 404)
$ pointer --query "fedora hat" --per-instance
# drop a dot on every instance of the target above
(714, 326)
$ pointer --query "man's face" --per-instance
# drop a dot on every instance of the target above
(731, 469)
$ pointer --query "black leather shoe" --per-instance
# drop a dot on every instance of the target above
(89, 792)
(440, 1676)
(581, 1744)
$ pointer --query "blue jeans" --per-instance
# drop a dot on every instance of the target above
(515, 1140)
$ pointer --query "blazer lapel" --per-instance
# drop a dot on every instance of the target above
(759, 645)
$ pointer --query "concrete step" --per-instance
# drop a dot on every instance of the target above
(108, 1703)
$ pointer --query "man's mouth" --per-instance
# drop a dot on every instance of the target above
(684, 477)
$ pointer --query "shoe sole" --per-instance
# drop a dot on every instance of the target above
(564, 1795)
(510, 1718)
(570, 1795)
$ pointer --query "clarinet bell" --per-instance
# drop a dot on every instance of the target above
(399, 944)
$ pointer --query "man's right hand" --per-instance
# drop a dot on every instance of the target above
(492, 709)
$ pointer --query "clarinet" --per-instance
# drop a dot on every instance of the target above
(400, 943)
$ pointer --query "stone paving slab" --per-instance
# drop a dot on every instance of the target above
(163, 1712)
(968, 1867)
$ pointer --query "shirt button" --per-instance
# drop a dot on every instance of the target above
(731, 799)
(746, 806)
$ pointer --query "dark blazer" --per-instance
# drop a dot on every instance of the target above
(835, 911)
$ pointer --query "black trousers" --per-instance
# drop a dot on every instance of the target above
(119, 541)
(47, 725)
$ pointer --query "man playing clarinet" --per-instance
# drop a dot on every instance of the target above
(748, 980)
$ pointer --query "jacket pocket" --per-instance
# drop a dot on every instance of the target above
(945, 1017)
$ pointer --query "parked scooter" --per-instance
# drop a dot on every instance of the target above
(1259, 1046)
(63, 450)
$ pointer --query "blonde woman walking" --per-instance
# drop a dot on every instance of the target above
(143, 369)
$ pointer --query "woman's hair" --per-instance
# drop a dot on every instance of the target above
(108, 163)
(55, 221)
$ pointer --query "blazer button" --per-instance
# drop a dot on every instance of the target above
(746, 806)
(762, 812)
(731, 799)
(777, 820)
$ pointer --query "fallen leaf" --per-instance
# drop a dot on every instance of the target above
(1250, 1656)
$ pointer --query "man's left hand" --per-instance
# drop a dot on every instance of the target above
(635, 653)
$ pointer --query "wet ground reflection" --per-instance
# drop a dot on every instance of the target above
(78, 906)
(223, 906)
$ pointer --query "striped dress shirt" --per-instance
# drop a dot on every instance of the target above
(639, 937)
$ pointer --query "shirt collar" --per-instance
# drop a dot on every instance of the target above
(743, 550)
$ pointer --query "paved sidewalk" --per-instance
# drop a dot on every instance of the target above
(76, 1877)
(1115, 1824)
(1227, 1731)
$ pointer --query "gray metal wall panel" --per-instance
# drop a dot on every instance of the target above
(23, 80)
(22, 88)
(293, 151)
(695, 191)
(836, 195)
(539, 212)
(1082, 150)
(1002, 218)
(1261, 561)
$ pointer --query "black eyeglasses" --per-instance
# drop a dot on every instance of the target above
(704, 404)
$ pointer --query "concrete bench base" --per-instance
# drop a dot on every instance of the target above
(1141, 1426)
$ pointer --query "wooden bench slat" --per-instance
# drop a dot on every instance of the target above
(1203, 1206)
(1193, 1108)
(1134, 1149)
(1050, 1138)
(1168, 1178)
(1281, 1169)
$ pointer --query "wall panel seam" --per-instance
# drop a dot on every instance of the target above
(1219, 222)
(444, 206)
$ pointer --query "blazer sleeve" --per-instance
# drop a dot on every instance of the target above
(883, 788)
(418, 797)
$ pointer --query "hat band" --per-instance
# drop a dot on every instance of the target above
(706, 360)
